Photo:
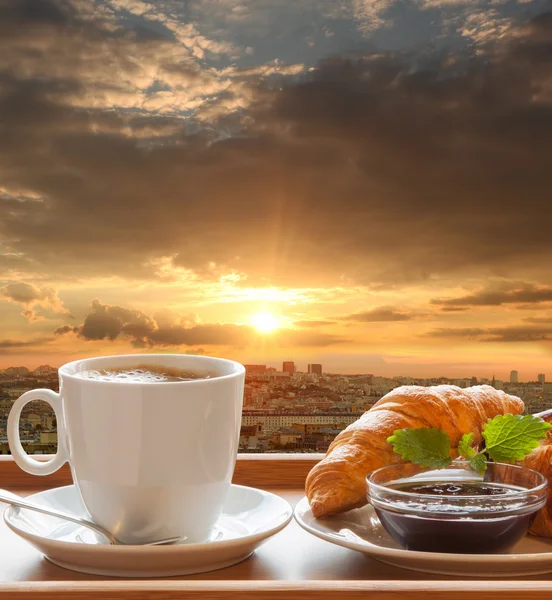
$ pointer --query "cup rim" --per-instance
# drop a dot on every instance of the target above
(239, 370)
(383, 488)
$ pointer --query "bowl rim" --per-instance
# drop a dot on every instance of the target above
(383, 488)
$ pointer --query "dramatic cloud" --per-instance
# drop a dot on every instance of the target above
(538, 319)
(314, 159)
(233, 156)
(30, 297)
(100, 64)
(378, 315)
(519, 333)
(66, 329)
(107, 322)
(526, 293)
(112, 322)
(18, 343)
(452, 332)
(11, 346)
(22, 292)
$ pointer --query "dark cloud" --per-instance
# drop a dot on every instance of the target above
(30, 12)
(227, 334)
(66, 329)
(111, 322)
(538, 319)
(451, 332)
(520, 333)
(376, 315)
(525, 293)
(381, 168)
(11, 263)
(8, 345)
(24, 293)
(17, 343)
(101, 326)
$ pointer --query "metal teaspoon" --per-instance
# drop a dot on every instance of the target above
(19, 501)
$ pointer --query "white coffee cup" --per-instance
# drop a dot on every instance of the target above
(150, 460)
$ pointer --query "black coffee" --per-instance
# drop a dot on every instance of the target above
(143, 374)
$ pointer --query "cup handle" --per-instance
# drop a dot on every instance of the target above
(21, 458)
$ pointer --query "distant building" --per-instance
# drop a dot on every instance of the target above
(546, 396)
(47, 421)
(251, 430)
(270, 375)
(44, 370)
(276, 421)
(282, 411)
(48, 437)
(16, 372)
(288, 366)
(254, 369)
(34, 419)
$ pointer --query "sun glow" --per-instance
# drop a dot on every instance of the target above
(265, 322)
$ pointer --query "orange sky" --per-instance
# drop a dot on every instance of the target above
(376, 176)
(347, 330)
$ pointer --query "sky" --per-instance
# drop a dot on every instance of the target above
(365, 184)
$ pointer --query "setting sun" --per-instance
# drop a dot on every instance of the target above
(265, 322)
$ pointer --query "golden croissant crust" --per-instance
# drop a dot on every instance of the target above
(541, 460)
(337, 483)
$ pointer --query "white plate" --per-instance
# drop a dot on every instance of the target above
(249, 517)
(361, 530)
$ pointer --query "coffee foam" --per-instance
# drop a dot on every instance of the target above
(134, 376)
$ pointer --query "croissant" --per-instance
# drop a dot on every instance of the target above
(541, 460)
(337, 483)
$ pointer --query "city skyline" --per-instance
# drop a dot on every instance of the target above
(257, 368)
(362, 185)
(284, 408)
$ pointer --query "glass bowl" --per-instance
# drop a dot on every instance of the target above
(432, 517)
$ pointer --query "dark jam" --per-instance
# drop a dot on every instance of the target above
(441, 528)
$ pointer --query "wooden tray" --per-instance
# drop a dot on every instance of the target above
(291, 565)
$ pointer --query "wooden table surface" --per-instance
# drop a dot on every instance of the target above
(291, 564)
(293, 554)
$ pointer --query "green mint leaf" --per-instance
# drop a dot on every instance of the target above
(422, 446)
(512, 437)
(478, 462)
(465, 448)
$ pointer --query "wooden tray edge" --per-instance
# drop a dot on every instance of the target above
(264, 590)
(256, 470)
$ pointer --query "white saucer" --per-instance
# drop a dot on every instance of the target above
(361, 530)
(249, 517)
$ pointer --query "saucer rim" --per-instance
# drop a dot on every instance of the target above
(196, 546)
(368, 547)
